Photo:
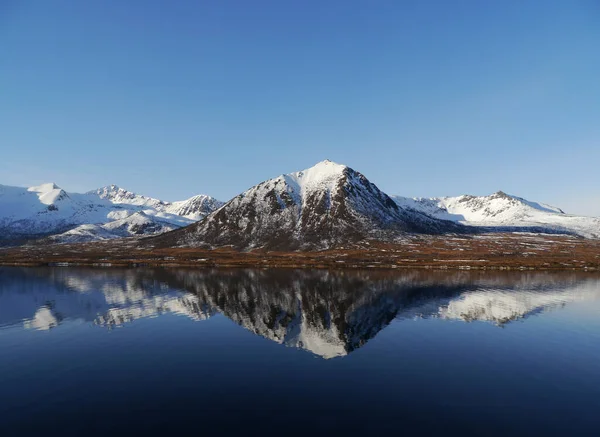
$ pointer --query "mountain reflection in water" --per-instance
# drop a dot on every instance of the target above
(327, 313)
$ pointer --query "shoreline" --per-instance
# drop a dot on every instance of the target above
(495, 252)
(119, 265)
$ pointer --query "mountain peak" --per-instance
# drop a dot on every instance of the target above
(501, 195)
(112, 188)
(112, 191)
(44, 188)
(327, 165)
(323, 175)
(49, 193)
(196, 207)
(118, 195)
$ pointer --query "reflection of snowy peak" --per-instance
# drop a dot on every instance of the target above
(185, 304)
(328, 314)
(501, 210)
(109, 212)
(42, 298)
(502, 306)
(501, 303)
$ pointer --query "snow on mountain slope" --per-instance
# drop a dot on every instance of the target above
(501, 210)
(118, 195)
(49, 194)
(45, 209)
(109, 212)
(195, 208)
(136, 224)
(323, 206)
(83, 233)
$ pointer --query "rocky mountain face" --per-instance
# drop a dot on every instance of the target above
(329, 314)
(324, 206)
(503, 212)
(47, 211)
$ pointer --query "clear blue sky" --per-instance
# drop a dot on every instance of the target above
(426, 98)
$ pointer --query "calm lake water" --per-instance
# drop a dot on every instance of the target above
(288, 352)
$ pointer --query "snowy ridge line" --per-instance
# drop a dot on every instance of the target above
(109, 212)
(501, 212)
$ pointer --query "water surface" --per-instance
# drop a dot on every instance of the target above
(285, 352)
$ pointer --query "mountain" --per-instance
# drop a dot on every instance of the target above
(501, 211)
(111, 212)
(324, 206)
(194, 208)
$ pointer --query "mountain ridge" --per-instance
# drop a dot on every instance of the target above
(504, 211)
(47, 211)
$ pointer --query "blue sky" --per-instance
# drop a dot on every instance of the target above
(426, 98)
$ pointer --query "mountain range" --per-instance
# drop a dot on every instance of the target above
(328, 205)
(331, 205)
(47, 211)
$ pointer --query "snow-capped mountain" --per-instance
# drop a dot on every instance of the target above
(323, 206)
(109, 212)
(503, 211)
(194, 208)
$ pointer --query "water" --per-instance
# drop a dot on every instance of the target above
(283, 352)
